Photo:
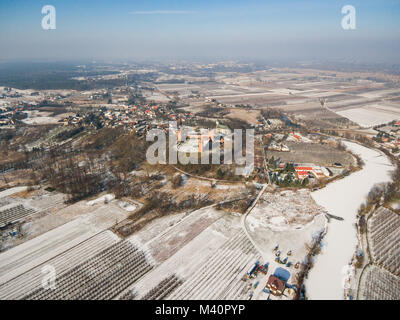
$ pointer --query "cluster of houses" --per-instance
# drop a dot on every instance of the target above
(10, 93)
(136, 117)
(8, 113)
(389, 135)
(276, 141)
(278, 147)
(311, 172)
(266, 125)
(296, 173)
(297, 137)
(302, 172)
(13, 103)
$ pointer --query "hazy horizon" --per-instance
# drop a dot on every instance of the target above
(163, 30)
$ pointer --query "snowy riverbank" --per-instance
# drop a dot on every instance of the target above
(343, 198)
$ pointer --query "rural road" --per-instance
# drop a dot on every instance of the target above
(243, 221)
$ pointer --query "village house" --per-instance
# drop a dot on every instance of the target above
(275, 285)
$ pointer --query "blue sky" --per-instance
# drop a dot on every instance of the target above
(122, 29)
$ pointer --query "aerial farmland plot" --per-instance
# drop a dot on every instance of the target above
(282, 224)
(369, 116)
(384, 239)
(67, 239)
(378, 284)
(171, 239)
(210, 266)
(28, 282)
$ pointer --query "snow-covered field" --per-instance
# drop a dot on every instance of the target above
(384, 239)
(379, 93)
(169, 240)
(11, 191)
(32, 253)
(378, 284)
(211, 264)
(289, 219)
(32, 279)
(103, 199)
(343, 198)
(285, 210)
(367, 117)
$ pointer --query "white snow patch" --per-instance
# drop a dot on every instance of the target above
(126, 206)
(11, 191)
(106, 198)
(367, 117)
(278, 221)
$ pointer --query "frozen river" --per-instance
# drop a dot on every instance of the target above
(343, 198)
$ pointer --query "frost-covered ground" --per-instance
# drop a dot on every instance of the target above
(343, 198)
(11, 191)
(103, 199)
(207, 249)
(285, 210)
(289, 219)
(369, 116)
(32, 253)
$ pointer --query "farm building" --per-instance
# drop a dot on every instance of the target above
(275, 285)
(316, 171)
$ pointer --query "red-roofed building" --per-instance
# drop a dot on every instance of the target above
(275, 285)
(304, 168)
(302, 174)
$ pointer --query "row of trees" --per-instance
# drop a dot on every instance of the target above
(313, 249)
(383, 193)
(77, 179)
(157, 204)
(100, 162)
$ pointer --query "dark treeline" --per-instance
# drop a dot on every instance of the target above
(51, 76)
